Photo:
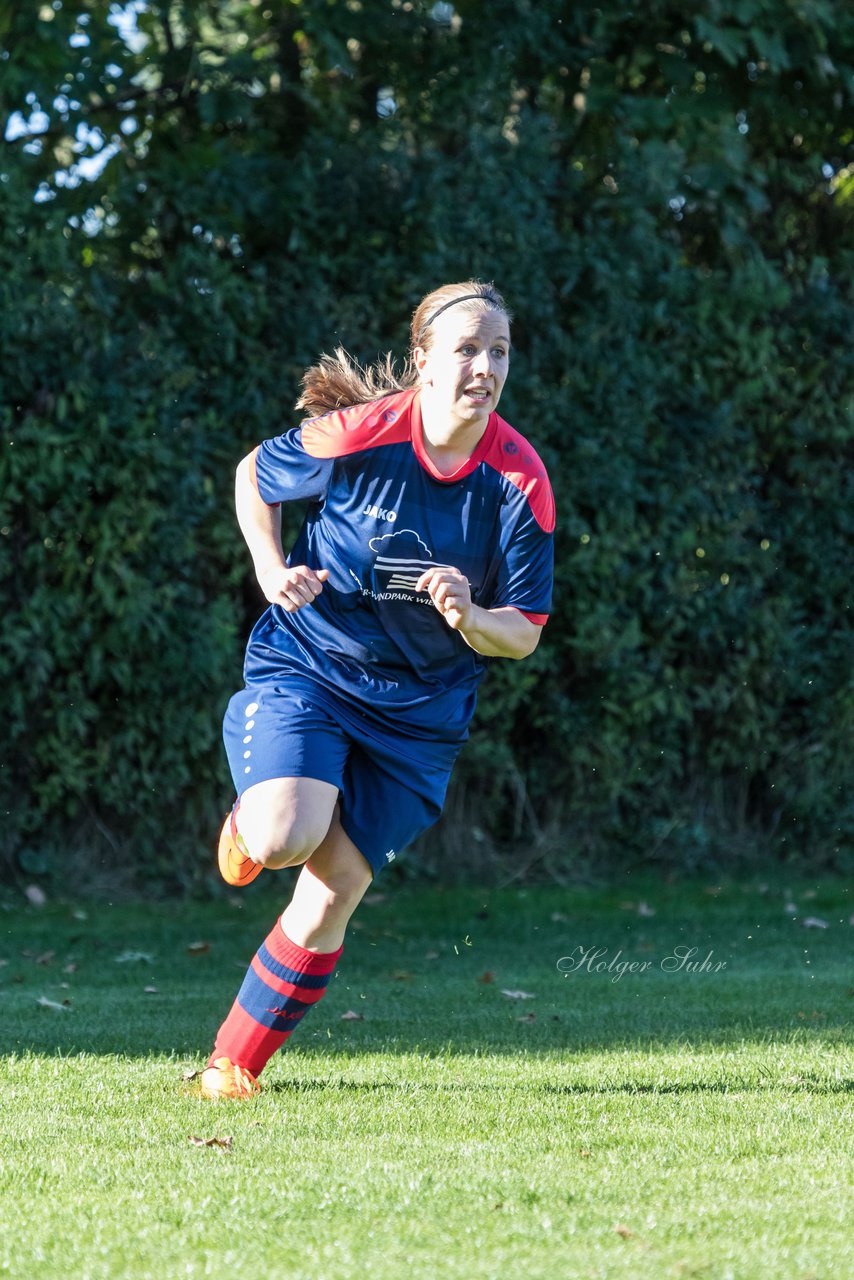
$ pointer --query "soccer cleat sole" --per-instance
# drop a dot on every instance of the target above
(234, 867)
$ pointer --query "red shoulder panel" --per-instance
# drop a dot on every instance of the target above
(511, 455)
(362, 426)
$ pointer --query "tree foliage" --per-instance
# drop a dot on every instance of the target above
(197, 198)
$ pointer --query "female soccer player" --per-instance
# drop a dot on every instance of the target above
(425, 550)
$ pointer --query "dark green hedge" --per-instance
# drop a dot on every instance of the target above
(666, 201)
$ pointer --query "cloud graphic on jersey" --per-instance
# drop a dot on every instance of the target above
(374, 543)
(403, 556)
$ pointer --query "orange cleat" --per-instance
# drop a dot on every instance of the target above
(224, 1079)
(235, 865)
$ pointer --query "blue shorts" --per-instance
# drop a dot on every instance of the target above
(392, 785)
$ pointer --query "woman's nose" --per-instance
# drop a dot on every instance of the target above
(482, 363)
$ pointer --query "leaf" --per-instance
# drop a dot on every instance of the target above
(527, 1017)
(518, 995)
(352, 1016)
(625, 1232)
(402, 975)
(71, 967)
(645, 910)
(134, 957)
(35, 896)
(487, 977)
(65, 1007)
(151, 991)
(225, 1143)
(198, 948)
(814, 922)
(45, 958)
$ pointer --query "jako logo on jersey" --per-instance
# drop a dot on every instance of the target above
(380, 513)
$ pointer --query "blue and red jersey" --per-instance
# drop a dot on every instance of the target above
(380, 514)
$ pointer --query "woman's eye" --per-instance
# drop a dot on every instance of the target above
(467, 350)
(499, 351)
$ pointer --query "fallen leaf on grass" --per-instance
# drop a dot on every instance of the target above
(151, 991)
(527, 1017)
(190, 1075)
(225, 1143)
(487, 977)
(35, 896)
(65, 1007)
(814, 922)
(625, 1232)
(134, 957)
(352, 1016)
(71, 967)
(645, 910)
(518, 995)
(198, 948)
(45, 958)
(402, 975)
(584, 1153)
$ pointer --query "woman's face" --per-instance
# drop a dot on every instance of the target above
(466, 366)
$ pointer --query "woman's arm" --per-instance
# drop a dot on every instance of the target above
(494, 633)
(293, 586)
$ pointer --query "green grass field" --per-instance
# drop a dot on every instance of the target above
(663, 1123)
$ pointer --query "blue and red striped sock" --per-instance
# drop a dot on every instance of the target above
(282, 983)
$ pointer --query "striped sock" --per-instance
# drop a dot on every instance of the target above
(281, 985)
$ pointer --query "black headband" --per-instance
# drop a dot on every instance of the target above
(466, 297)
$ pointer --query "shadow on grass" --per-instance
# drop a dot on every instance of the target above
(732, 1084)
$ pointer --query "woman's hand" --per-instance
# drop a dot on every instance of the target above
(292, 587)
(495, 633)
(450, 592)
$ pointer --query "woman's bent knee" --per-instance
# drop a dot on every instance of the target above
(285, 845)
(282, 823)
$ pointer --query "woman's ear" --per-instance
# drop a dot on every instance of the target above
(420, 360)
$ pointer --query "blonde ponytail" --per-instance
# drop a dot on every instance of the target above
(338, 381)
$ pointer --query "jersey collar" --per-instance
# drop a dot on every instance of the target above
(465, 468)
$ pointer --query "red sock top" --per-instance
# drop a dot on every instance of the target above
(296, 957)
